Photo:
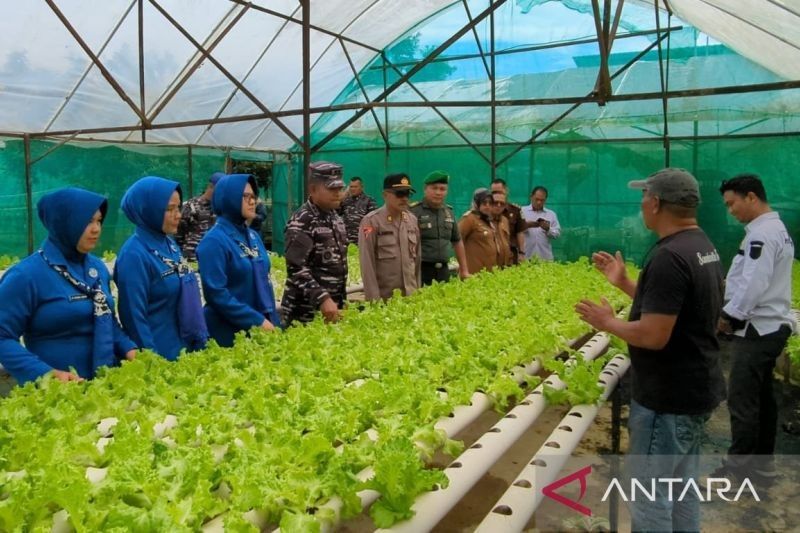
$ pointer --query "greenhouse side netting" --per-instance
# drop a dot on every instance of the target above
(110, 169)
(587, 183)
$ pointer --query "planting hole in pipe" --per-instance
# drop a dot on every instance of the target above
(455, 465)
(565, 428)
(526, 402)
(576, 414)
(601, 382)
(511, 415)
(607, 373)
(552, 444)
(477, 446)
(503, 509)
(495, 430)
(524, 483)
(539, 462)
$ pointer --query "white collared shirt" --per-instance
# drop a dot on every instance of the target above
(758, 288)
(537, 240)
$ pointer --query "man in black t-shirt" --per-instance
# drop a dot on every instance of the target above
(671, 335)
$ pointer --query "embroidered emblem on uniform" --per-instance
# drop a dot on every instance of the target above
(367, 230)
(755, 249)
(92, 272)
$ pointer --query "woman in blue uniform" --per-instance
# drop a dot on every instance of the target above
(159, 296)
(58, 299)
(234, 265)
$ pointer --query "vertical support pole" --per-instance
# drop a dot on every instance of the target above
(306, 5)
(664, 82)
(493, 93)
(385, 114)
(190, 170)
(616, 418)
(141, 66)
(695, 148)
(26, 141)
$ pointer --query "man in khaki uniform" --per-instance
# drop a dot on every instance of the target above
(389, 244)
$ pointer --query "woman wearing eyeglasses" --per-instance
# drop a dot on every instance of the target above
(58, 299)
(482, 235)
(159, 295)
(234, 265)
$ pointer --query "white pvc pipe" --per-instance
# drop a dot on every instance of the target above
(516, 506)
(462, 417)
(470, 466)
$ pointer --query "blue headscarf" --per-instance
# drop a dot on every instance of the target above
(146, 200)
(227, 200)
(65, 213)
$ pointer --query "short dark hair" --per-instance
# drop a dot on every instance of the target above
(742, 184)
(501, 181)
(356, 178)
(540, 188)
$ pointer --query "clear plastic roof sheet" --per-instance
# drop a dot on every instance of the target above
(182, 63)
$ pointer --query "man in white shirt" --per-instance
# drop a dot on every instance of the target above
(542, 224)
(757, 321)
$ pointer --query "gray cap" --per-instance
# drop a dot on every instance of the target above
(672, 185)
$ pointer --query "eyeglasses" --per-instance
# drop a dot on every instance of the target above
(249, 197)
(402, 194)
(499, 204)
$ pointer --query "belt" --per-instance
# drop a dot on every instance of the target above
(435, 265)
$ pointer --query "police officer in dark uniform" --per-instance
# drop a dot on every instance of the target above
(439, 231)
(316, 250)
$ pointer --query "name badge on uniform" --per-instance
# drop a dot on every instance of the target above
(92, 272)
(78, 297)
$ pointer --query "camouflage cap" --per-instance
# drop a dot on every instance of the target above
(330, 174)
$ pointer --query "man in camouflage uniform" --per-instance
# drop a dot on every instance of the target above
(439, 231)
(197, 217)
(316, 250)
(354, 206)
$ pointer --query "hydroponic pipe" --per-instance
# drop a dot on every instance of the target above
(473, 464)
(516, 506)
(462, 416)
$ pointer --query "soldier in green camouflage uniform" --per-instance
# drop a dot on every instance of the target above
(197, 217)
(316, 250)
(354, 206)
(439, 231)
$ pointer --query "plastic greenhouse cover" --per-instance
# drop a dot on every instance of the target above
(48, 83)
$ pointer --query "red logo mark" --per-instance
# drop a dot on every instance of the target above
(581, 475)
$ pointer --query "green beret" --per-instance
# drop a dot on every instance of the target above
(437, 176)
